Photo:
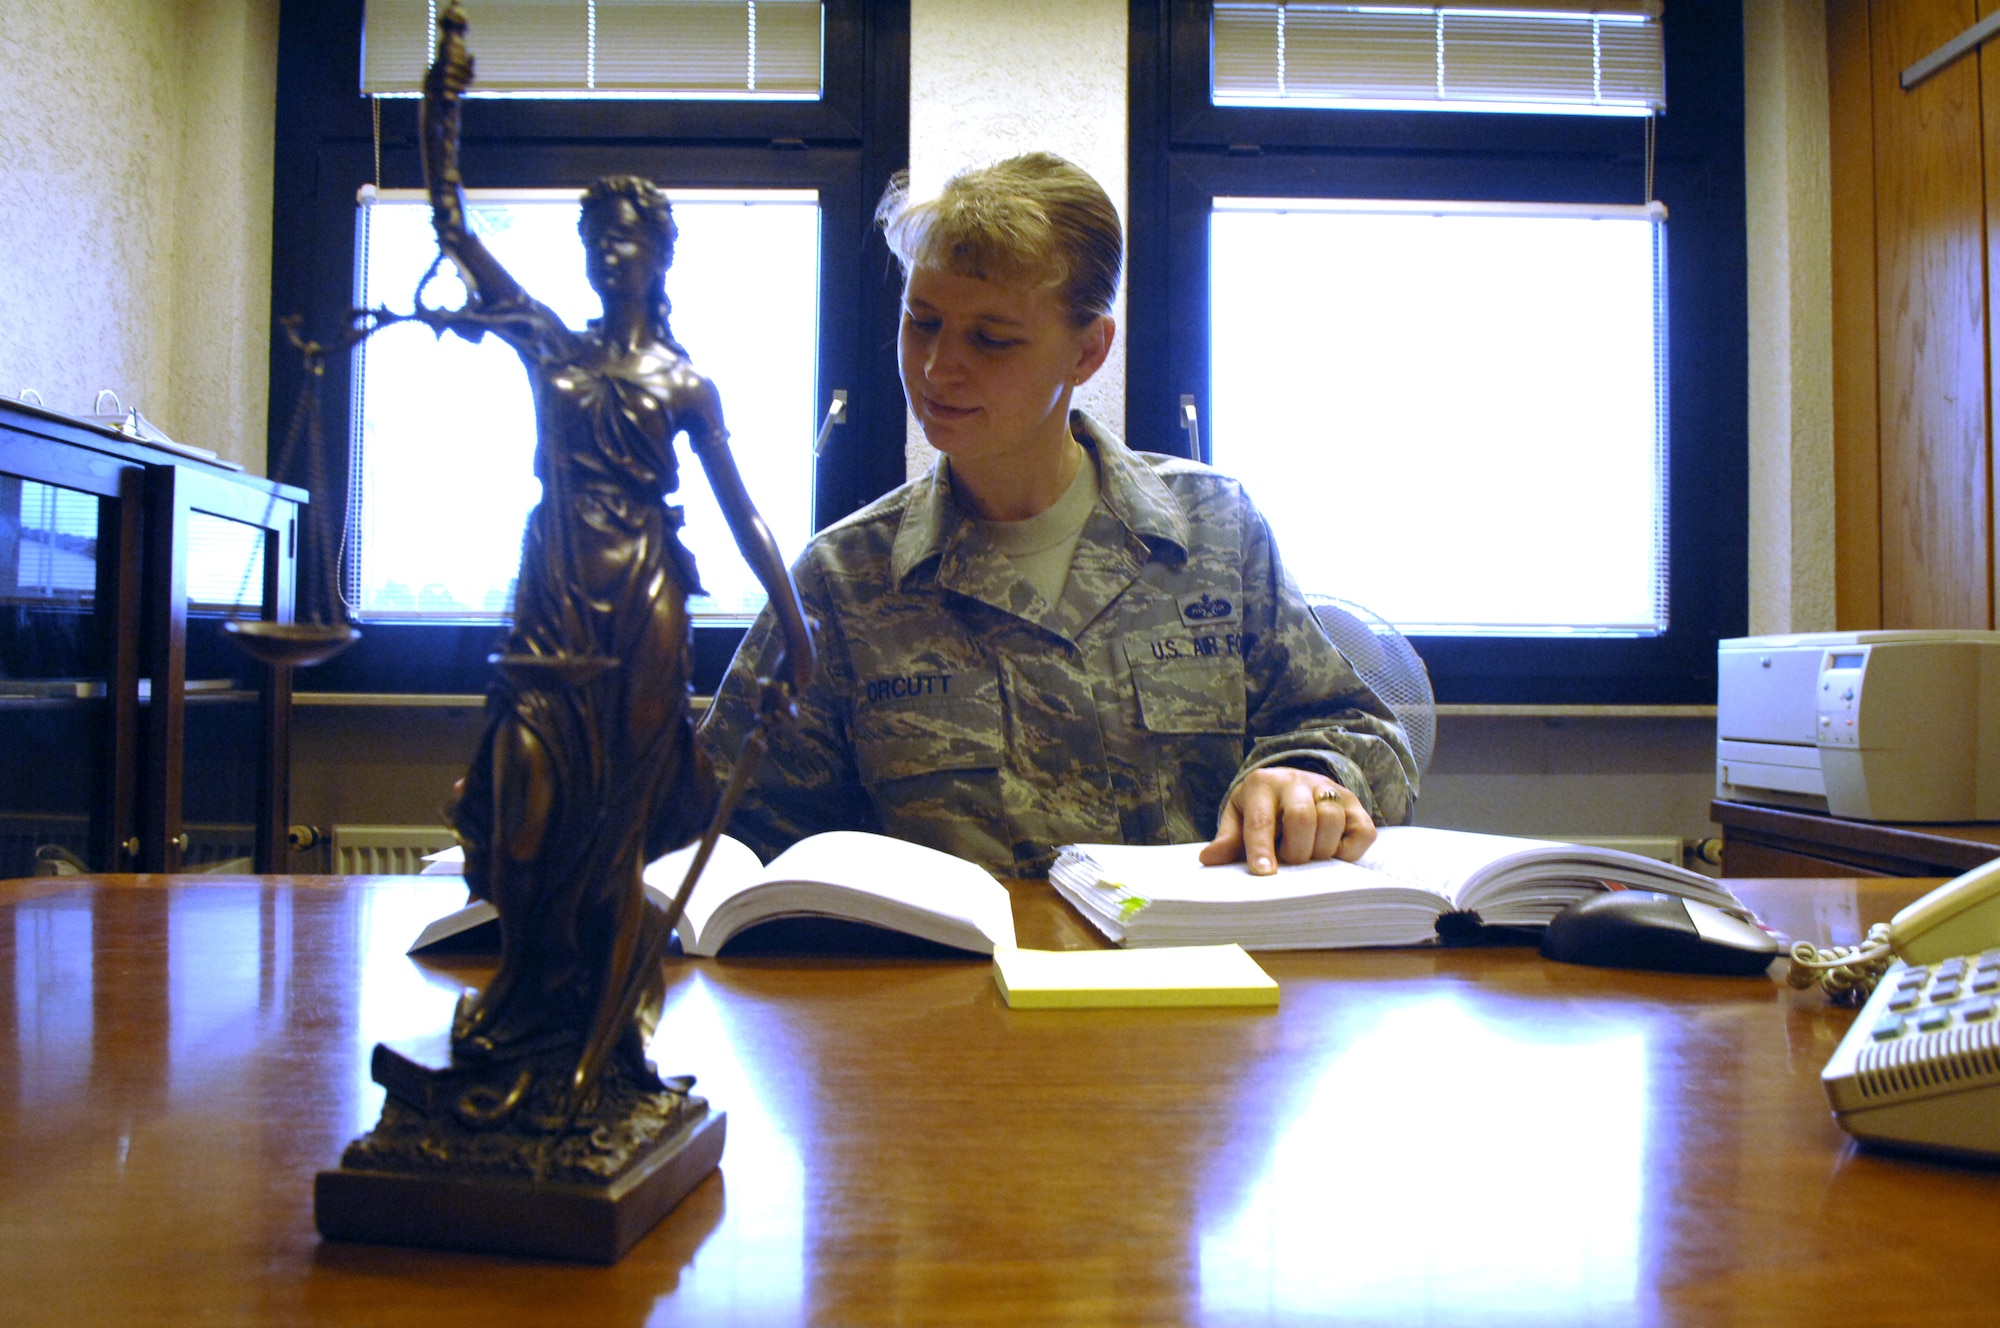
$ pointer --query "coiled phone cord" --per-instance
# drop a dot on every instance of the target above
(1846, 973)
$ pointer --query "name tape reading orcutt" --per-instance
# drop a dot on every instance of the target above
(908, 685)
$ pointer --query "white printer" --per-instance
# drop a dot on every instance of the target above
(1878, 726)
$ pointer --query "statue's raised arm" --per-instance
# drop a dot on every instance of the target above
(487, 282)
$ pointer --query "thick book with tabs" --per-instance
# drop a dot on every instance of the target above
(1411, 878)
(846, 875)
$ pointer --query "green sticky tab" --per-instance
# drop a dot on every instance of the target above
(1131, 906)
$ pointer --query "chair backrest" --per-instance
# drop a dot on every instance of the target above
(1388, 663)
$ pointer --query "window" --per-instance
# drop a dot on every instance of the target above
(1547, 448)
(744, 288)
(1447, 353)
(781, 289)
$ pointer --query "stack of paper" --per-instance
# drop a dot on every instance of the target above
(1095, 979)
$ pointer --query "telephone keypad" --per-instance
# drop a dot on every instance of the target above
(1927, 999)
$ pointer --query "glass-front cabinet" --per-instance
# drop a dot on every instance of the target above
(132, 738)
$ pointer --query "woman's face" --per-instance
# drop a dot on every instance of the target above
(989, 368)
(620, 256)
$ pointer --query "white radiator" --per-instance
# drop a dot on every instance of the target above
(385, 850)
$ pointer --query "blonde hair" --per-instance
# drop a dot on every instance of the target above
(1033, 219)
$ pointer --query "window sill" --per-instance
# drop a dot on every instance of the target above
(420, 701)
(1576, 711)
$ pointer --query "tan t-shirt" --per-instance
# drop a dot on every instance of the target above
(1041, 547)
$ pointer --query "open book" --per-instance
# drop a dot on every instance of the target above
(1410, 880)
(846, 875)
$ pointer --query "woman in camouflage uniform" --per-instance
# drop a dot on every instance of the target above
(1050, 638)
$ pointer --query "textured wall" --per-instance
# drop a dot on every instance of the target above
(1789, 236)
(988, 81)
(135, 209)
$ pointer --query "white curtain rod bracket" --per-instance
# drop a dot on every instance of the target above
(1951, 50)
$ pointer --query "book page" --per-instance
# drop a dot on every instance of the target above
(919, 879)
(1478, 871)
(1441, 861)
(1174, 872)
(731, 868)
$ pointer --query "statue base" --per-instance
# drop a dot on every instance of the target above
(439, 1171)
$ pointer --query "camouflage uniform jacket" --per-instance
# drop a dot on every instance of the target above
(955, 707)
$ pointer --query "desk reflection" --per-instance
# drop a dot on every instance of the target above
(1442, 1159)
(1446, 1137)
(51, 1017)
(755, 1273)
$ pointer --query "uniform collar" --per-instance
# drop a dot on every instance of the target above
(1135, 495)
(932, 521)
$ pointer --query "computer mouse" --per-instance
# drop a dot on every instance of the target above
(1641, 929)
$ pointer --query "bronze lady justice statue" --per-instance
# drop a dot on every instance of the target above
(545, 1130)
(588, 768)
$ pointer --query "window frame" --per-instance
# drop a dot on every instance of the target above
(1186, 151)
(845, 145)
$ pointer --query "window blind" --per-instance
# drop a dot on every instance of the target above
(225, 562)
(53, 537)
(1590, 56)
(663, 49)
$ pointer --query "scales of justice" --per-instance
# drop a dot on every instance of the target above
(538, 1125)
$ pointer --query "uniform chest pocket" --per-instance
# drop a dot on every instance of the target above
(924, 737)
(1199, 694)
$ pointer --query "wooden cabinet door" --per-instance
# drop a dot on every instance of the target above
(1911, 226)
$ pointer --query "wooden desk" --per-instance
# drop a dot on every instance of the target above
(1436, 1136)
(1771, 841)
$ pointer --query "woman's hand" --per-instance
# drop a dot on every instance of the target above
(792, 672)
(1279, 814)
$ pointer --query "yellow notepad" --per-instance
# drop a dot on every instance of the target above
(1097, 979)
